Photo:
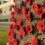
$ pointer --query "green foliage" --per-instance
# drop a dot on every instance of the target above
(4, 20)
(3, 36)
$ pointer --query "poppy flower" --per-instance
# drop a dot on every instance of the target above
(16, 11)
(39, 15)
(23, 10)
(28, 29)
(19, 21)
(14, 26)
(11, 37)
(34, 41)
(35, 7)
(11, 27)
(21, 32)
(10, 43)
(40, 26)
(13, 19)
(40, 10)
(10, 32)
(43, 9)
(27, 17)
(12, 14)
(15, 42)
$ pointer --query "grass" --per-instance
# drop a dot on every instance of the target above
(3, 36)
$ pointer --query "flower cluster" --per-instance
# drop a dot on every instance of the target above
(34, 41)
(22, 28)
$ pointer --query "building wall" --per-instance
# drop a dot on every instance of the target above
(6, 7)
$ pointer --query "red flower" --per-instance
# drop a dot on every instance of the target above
(23, 10)
(34, 41)
(39, 13)
(28, 16)
(40, 26)
(19, 21)
(11, 28)
(28, 29)
(14, 25)
(13, 19)
(15, 42)
(12, 14)
(16, 11)
(43, 8)
(21, 32)
(35, 7)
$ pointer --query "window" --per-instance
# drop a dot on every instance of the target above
(0, 10)
(0, 2)
(4, 20)
(5, 1)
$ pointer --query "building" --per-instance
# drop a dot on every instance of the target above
(5, 6)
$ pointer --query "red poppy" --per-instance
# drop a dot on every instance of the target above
(21, 32)
(11, 33)
(12, 14)
(40, 26)
(13, 19)
(34, 41)
(39, 15)
(14, 26)
(11, 28)
(43, 8)
(11, 37)
(27, 17)
(23, 10)
(19, 20)
(35, 7)
(16, 11)
(28, 29)
(15, 42)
